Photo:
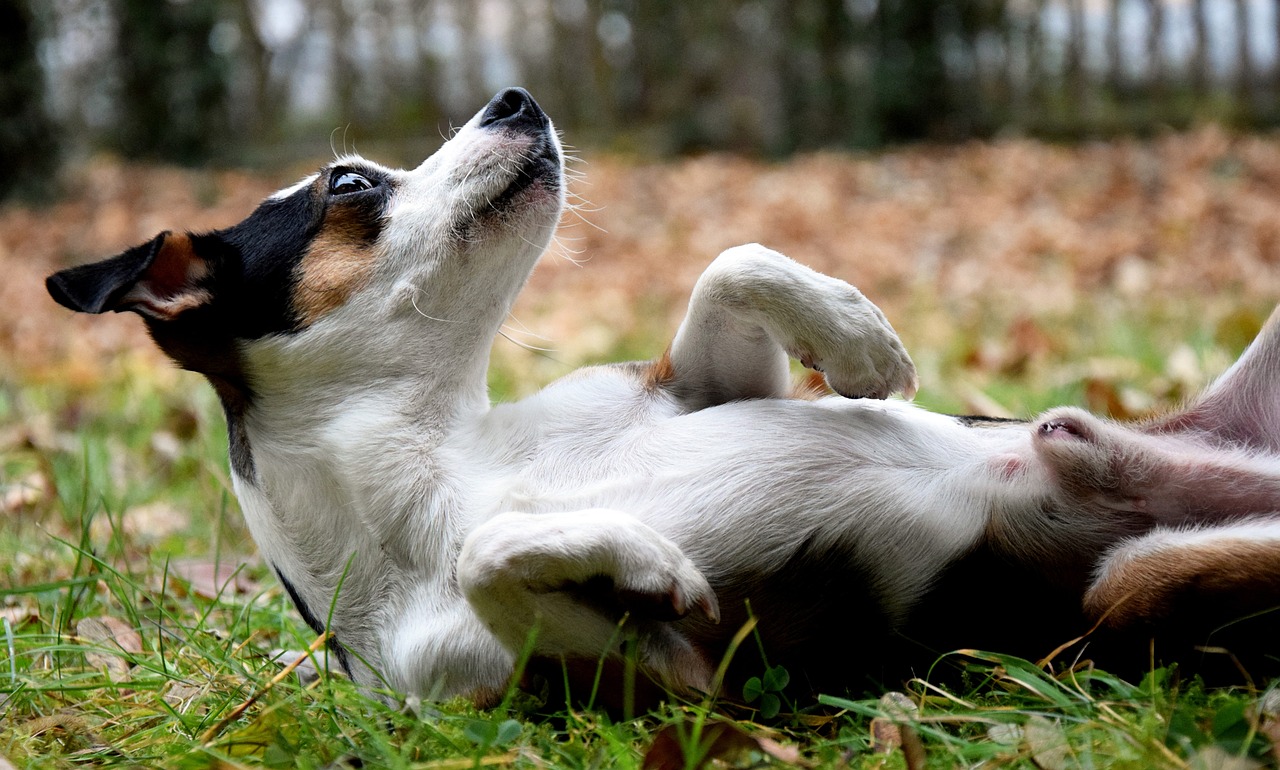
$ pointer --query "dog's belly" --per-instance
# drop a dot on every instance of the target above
(825, 521)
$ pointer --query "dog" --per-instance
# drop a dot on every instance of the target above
(651, 509)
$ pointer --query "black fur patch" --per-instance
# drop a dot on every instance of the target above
(309, 617)
(982, 421)
(819, 616)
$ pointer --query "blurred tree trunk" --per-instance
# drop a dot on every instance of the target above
(342, 65)
(1115, 54)
(912, 97)
(28, 141)
(1244, 58)
(835, 37)
(1155, 47)
(173, 88)
(1200, 51)
(1075, 75)
(264, 111)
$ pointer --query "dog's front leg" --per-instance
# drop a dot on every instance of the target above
(569, 580)
(753, 307)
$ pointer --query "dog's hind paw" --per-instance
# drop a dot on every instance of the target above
(859, 370)
(857, 349)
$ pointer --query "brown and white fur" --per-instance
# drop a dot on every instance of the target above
(346, 325)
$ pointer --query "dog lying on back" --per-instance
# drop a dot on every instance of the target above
(346, 325)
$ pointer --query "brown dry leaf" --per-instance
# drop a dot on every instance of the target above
(896, 729)
(1269, 725)
(72, 730)
(180, 695)
(209, 579)
(18, 614)
(1104, 397)
(885, 736)
(24, 493)
(1218, 758)
(672, 747)
(143, 523)
(1048, 743)
(103, 633)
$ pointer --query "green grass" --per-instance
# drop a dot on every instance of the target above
(74, 551)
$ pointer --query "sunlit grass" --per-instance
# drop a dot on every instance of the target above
(87, 542)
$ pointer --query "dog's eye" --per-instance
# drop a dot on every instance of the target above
(348, 182)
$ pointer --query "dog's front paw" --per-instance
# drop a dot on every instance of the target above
(660, 583)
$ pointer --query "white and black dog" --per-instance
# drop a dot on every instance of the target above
(346, 326)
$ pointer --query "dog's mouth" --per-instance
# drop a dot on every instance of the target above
(541, 168)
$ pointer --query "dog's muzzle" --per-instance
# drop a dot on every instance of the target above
(515, 111)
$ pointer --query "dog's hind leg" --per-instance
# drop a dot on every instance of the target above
(754, 307)
(571, 578)
(1201, 576)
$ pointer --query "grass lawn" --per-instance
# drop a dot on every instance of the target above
(138, 628)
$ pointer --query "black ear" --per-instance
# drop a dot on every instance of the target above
(160, 279)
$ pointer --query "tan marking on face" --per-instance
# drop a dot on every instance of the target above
(1231, 575)
(338, 264)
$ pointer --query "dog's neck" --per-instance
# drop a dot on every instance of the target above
(344, 425)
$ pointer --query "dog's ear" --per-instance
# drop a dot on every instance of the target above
(1243, 406)
(159, 279)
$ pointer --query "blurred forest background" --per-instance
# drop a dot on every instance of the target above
(990, 171)
(250, 81)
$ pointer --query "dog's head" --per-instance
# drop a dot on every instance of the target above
(351, 261)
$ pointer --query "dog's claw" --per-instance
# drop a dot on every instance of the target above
(710, 607)
(704, 601)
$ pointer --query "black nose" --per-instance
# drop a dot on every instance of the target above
(515, 109)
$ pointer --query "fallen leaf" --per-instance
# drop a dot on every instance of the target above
(673, 747)
(1005, 732)
(180, 695)
(1217, 758)
(209, 579)
(896, 730)
(1047, 742)
(1269, 724)
(25, 493)
(17, 615)
(143, 523)
(104, 632)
